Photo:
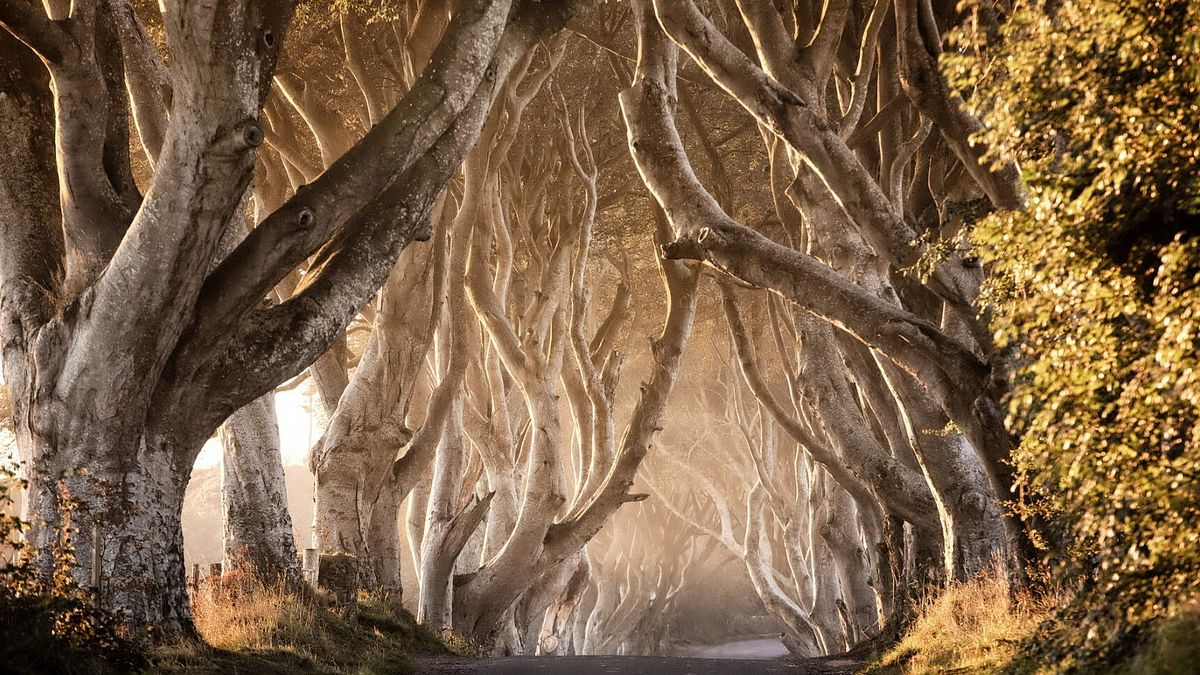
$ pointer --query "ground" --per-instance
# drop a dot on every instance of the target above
(638, 665)
(733, 658)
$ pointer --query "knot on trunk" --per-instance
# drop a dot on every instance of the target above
(252, 134)
(306, 218)
(682, 249)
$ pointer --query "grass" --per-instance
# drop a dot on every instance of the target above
(974, 627)
(252, 627)
(982, 627)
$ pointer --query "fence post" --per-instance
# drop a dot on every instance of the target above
(308, 566)
(96, 559)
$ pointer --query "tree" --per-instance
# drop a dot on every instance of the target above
(1094, 289)
(126, 341)
(831, 188)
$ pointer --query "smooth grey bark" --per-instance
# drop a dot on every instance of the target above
(831, 632)
(352, 463)
(555, 634)
(146, 353)
(129, 282)
(839, 532)
(28, 205)
(534, 361)
(972, 528)
(384, 543)
(972, 524)
(793, 115)
(926, 86)
(258, 535)
(531, 610)
(957, 379)
(437, 557)
(802, 635)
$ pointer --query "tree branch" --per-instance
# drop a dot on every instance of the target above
(29, 24)
(464, 59)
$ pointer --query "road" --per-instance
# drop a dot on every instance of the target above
(743, 649)
(747, 657)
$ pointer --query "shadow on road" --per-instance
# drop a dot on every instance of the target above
(641, 665)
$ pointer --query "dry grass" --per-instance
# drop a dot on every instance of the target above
(974, 627)
(240, 615)
(981, 627)
(252, 627)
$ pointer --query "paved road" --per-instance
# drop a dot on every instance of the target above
(631, 665)
(743, 649)
(745, 657)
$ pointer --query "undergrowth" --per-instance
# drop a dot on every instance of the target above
(984, 627)
(252, 626)
(970, 627)
(48, 624)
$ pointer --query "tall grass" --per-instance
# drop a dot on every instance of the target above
(983, 627)
(247, 613)
(973, 627)
(251, 625)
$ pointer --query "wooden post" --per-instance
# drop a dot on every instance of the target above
(308, 566)
(214, 580)
(96, 558)
(195, 578)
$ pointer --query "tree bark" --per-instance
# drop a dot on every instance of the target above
(258, 536)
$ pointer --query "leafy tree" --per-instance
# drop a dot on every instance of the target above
(1096, 292)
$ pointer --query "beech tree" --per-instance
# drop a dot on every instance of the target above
(831, 187)
(798, 533)
(793, 188)
(127, 342)
(648, 557)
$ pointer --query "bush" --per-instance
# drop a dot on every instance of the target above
(1095, 294)
(50, 625)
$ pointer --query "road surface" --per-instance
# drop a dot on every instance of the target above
(747, 657)
(744, 649)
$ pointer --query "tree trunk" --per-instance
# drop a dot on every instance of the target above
(258, 528)
(383, 541)
(437, 562)
(554, 638)
(800, 634)
(839, 533)
(972, 527)
(134, 500)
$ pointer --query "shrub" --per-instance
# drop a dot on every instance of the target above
(49, 624)
(1095, 293)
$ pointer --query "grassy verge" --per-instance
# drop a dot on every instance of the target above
(257, 628)
(975, 627)
(981, 627)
